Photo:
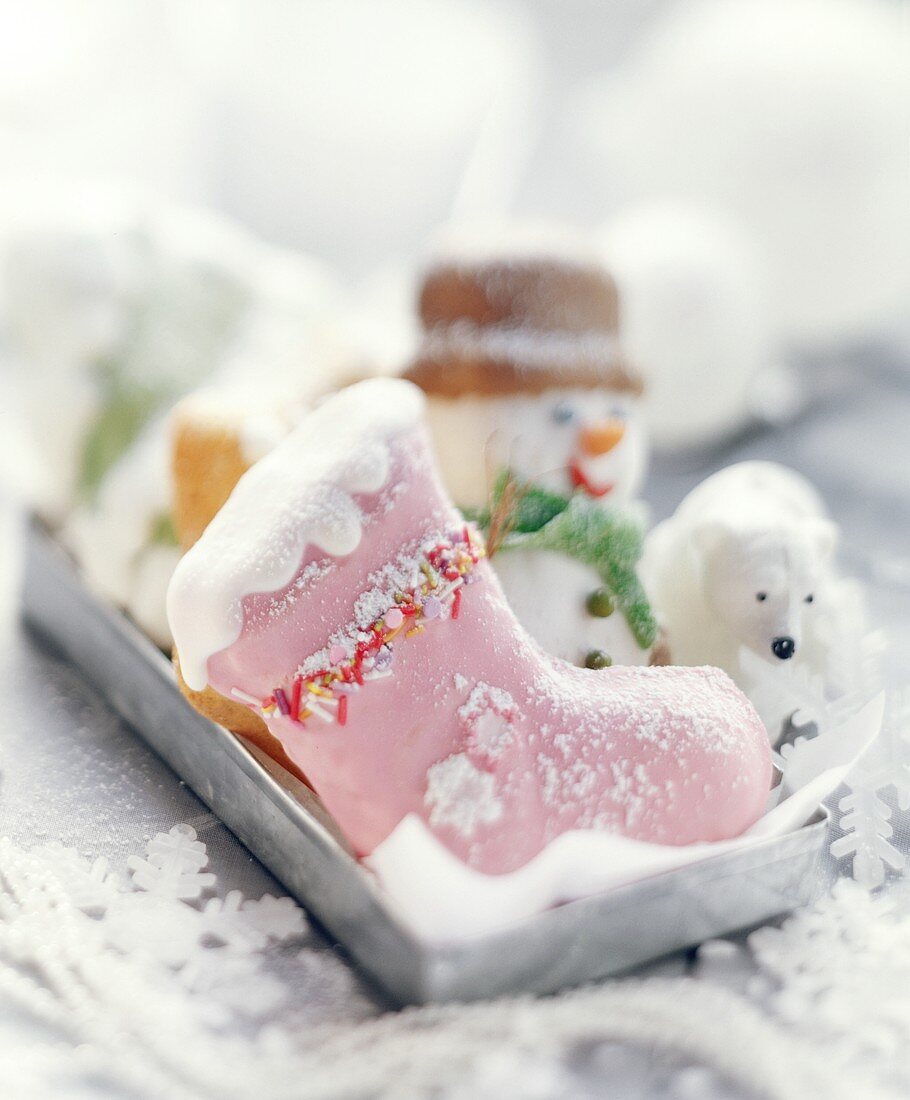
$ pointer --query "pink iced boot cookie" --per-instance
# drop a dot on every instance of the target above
(341, 595)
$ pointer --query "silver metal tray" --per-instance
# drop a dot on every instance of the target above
(285, 826)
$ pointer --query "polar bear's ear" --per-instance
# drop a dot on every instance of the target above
(823, 535)
(710, 537)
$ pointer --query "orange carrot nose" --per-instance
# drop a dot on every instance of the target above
(602, 436)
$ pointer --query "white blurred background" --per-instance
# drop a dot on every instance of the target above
(742, 164)
(241, 191)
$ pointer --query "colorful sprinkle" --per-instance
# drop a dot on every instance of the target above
(394, 617)
(244, 698)
(373, 655)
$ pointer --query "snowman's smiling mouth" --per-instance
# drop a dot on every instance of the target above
(596, 445)
(580, 480)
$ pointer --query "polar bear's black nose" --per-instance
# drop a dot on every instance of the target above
(784, 648)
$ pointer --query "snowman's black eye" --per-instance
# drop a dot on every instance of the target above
(618, 412)
(562, 413)
(761, 596)
(809, 599)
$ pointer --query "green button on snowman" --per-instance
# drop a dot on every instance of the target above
(535, 420)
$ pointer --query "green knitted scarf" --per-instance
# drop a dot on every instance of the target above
(609, 539)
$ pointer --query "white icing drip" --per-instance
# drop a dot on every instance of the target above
(299, 495)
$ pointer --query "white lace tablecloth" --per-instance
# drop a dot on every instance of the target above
(199, 985)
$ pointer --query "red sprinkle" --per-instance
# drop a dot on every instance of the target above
(446, 560)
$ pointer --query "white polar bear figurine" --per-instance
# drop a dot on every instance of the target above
(746, 561)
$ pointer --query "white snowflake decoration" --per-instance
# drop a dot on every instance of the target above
(865, 820)
(90, 887)
(174, 865)
(231, 985)
(247, 925)
(225, 1025)
(118, 986)
(865, 823)
(224, 923)
(839, 972)
(154, 925)
(280, 920)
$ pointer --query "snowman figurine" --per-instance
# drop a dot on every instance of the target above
(535, 420)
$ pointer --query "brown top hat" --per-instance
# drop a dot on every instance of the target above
(523, 325)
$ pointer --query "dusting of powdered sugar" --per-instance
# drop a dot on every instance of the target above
(461, 796)
(401, 574)
(310, 575)
(698, 709)
(398, 575)
(299, 495)
(488, 714)
(318, 570)
(484, 697)
(697, 715)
